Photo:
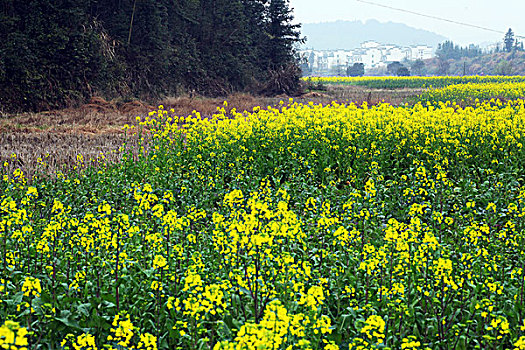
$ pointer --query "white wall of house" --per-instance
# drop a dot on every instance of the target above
(397, 54)
(371, 54)
(421, 52)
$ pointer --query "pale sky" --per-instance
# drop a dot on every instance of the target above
(498, 15)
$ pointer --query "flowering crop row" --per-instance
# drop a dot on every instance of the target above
(475, 93)
(412, 82)
(298, 227)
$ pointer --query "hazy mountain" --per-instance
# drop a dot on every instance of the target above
(350, 34)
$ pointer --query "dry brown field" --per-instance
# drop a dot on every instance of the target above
(50, 141)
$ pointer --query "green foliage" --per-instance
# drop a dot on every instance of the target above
(403, 72)
(473, 94)
(49, 52)
(281, 34)
(356, 70)
(56, 53)
(393, 67)
(448, 50)
(509, 40)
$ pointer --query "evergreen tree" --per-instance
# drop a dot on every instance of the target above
(186, 70)
(516, 46)
(147, 49)
(509, 40)
(225, 45)
(255, 13)
(53, 53)
(281, 33)
(448, 50)
(279, 57)
(50, 53)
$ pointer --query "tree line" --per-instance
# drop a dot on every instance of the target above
(448, 50)
(60, 52)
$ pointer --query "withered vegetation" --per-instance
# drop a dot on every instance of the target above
(51, 141)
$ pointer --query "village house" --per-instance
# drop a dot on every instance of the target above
(372, 54)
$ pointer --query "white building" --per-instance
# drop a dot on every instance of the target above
(372, 57)
(372, 54)
(421, 52)
(397, 54)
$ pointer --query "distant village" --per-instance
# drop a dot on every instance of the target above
(375, 57)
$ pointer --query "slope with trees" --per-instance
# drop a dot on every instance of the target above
(55, 53)
(452, 59)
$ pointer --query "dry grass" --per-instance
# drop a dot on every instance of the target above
(358, 94)
(95, 129)
(97, 117)
(49, 153)
(107, 117)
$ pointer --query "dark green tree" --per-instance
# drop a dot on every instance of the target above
(448, 50)
(393, 67)
(508, 40)
(147, 48)
(403, 72)
(256, 21)
(518, 45)
(356, 70)
(281, 34)
(186, 70)
(50, 53)
(224, 45)
(54, 53)
(280, 59)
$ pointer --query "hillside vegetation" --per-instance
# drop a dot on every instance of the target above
(58, 53)
(501, 63)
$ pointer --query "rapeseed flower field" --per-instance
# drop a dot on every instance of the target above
(413, 82)
(474, 93)
(301, 226)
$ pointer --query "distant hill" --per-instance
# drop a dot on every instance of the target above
(350, 34)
